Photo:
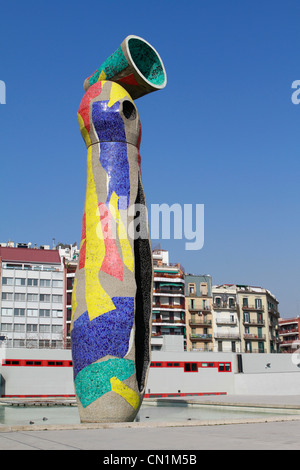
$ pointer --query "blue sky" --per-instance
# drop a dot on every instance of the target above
(223, 133)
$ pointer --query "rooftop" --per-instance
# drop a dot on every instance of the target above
(29, 255)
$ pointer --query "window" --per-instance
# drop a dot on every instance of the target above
(44, 312)
(57, 283)
(31, 328)
(192, 303)
(19, 297)
(259, 317)
(190, 367)
(32, 312)
(203, 288)
(258, 303)
(20, 281)
(57, 313)
(44, 328)
(6, 326)
(45, 283)
(19, 327)
(44, 297)
(218, 301)
(32, 297)
(192, 288)
(32, 282)
(7, 296)
(6, 311)
(57, 298)
(224, 367)
(246, 317)
(245, 301)
(8, 281)
(19, 312)
(57, 329)
(231, 302)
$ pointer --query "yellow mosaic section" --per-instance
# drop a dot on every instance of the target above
(74, 301)
(97, 300)
(126, 392)
(127, 254)
(84, 131)
(117, 93)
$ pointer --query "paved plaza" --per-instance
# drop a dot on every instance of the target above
(280, 432)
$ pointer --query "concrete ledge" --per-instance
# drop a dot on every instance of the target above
(178, 424)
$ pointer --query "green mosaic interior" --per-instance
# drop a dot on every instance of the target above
(147, 61)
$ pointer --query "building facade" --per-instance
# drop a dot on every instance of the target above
(289, 329)
(32, 301)
(198, 311)
(69, 255)
(259, 320)
(168, 309)
(226, 319)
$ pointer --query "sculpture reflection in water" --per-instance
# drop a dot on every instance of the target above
(112, 293)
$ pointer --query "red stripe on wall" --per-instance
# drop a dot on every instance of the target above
(166, 395)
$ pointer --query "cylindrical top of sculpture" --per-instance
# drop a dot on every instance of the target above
(136, 65)
(112, 293)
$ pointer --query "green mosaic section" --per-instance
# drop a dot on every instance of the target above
(111, 67)
(94, 380)
(147, 61)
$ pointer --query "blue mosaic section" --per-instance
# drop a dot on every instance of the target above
(110, 129)
(107, 334)
(94, 381)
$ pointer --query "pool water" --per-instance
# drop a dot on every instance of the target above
(16, 415)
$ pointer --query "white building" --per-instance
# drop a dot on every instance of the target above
(168, 308)
(226, 320)
(32, 301)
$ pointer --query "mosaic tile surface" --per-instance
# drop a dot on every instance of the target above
(112, 293)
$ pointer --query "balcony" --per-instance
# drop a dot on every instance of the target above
(290, 331)
(167, 306)
(231, 336)
(259, 308)
(254, 351)
(201, 337)
(254, 322)
(205, 348)
(200, 310)
(226, 321)
(168, 290)
(162, 274)
(168, 321)
(272, 311)
(224, 306)
(200, 322)
(253, 337)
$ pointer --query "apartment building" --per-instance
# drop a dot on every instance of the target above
(259, 316)
(69, 255)
(198, 310)
(289, 329)
(226, 319)
(168, 309)
(32, 300)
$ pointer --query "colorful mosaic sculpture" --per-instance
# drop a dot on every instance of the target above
(112, 293)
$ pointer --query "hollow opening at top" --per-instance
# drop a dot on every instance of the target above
(147, 61)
